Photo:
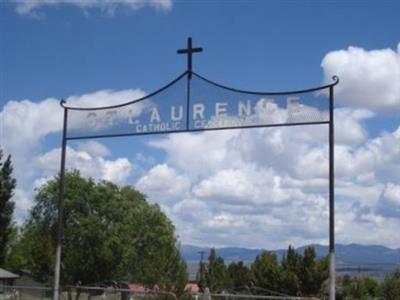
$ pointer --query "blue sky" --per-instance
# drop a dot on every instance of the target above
(109, 52)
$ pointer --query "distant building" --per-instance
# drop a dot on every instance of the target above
(33, 289)
(7, 278)
(26, 278)
(137, 288)
(192, 288)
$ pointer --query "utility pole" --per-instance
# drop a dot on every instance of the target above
(201, 252)
(201, 280)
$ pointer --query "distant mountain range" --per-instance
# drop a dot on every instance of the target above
(353, 259)
(345, 254)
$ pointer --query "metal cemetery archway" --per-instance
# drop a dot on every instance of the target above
(194, 103)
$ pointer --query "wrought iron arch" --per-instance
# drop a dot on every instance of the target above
(241, 109)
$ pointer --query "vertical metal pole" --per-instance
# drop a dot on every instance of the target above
(189, 78)
(188, 100)
(331, 198)
(57, 265)
(189, 57)
(189, 51)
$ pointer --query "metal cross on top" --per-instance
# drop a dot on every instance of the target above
(189, 51)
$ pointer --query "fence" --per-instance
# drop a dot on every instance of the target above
(252, 297)
(111, 293)
(81, 293)
(25, 292)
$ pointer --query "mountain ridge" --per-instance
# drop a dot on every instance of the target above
(345, 254)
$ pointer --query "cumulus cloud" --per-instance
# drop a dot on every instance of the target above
(244, 186)
(299, 222)
(191, 210)
(90, 164)
(349, 127)
(359, 223)
(268, 187)
(389, 202)
(94, 148)
(95, 167)
(25, 123)
(197, 154)
(263, 187)
(25, 128)
(259, 185)
(33, 7)
(162, 183)
(368, 78)
(226, 185)
(23, 203)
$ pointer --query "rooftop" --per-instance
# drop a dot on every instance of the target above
(4, 274)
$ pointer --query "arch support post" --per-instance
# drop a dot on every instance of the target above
(60, 227)
(332, 271)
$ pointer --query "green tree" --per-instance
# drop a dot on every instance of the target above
(390, 287)
(313, 272)
(111, 233)
(309, 285)
(322, 272)
(292, 260)
(7, 186)
(291, 268)
(371, 286)
(289, 283)
(239, 276)
(201, 275)
(15, 258)
(216, 276)
(266, 272)
(358, 288)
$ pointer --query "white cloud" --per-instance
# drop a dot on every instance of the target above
(24, 128)
(117, 170)
(268, 187)
(265, 188)
(23, 203)
(367, 194)
(389, 202)
(161, 183)
(368, 79)
(104, 98)
(262, 187)
(226, 185)
(244, 186)
(349, 129)
(392, 194)
(197, 154)
(208, 222)
(25, 123)
(192, 210)
(109, 7)
(94, 148)
(353, 225)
